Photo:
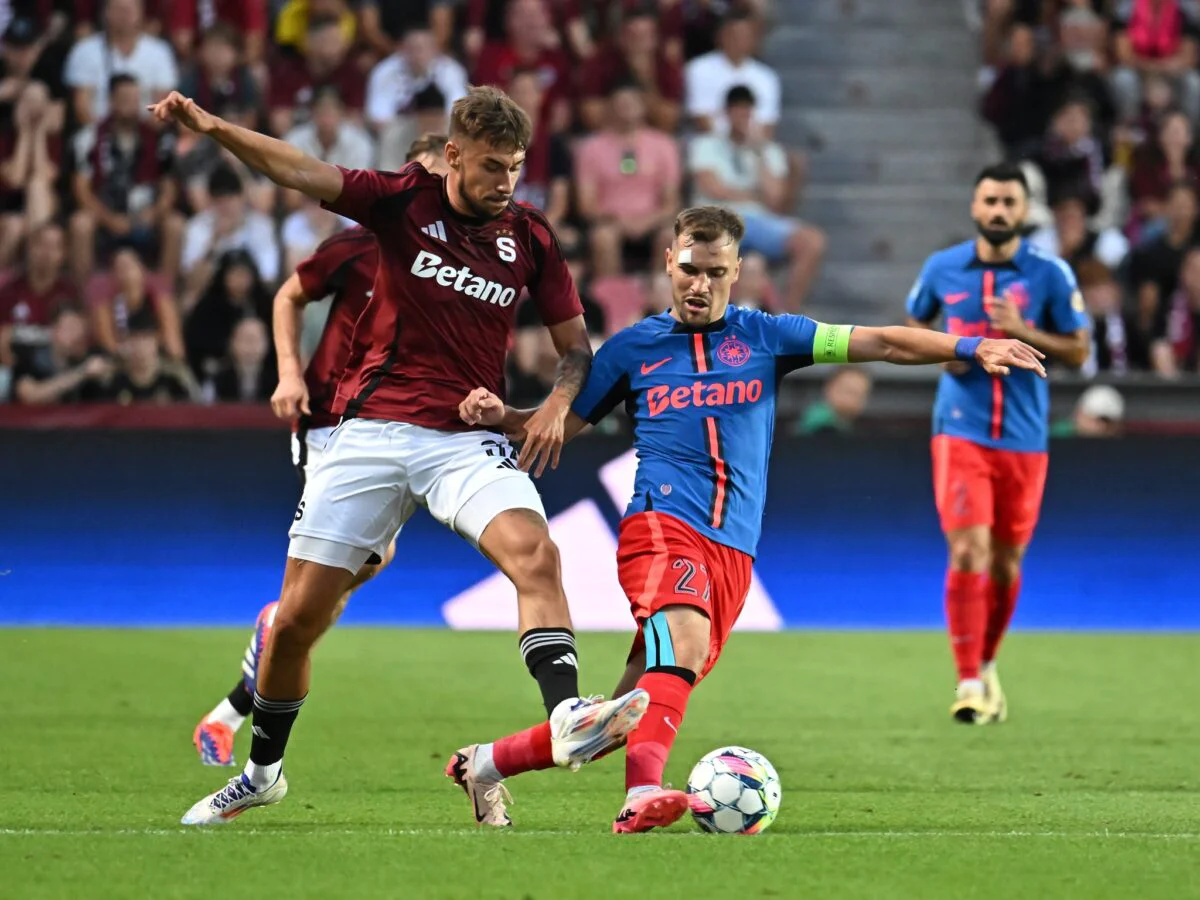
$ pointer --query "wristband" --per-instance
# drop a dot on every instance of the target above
(966, 347)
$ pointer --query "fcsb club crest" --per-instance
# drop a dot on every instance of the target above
(733, 351)
(1018, 294)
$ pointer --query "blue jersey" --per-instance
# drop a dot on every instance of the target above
(702, 402)
(1009, 413)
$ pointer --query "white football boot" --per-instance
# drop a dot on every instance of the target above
(231, 801)
(582, 728)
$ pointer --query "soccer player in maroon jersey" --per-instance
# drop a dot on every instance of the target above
(343, 268)
(454, 254)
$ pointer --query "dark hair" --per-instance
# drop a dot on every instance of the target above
(1004, 171)
(624, 84)
(1182, 184)
(120, 79)
(223, 181)
(1091, 272)
(488, 114)
(327, 92)
(427, 98)
(706, 224)
(739, 95)
(426, 143)
(319, 23)
(223, 31)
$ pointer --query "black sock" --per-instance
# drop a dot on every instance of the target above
(241, 699)
(550, 655)
(273, 720)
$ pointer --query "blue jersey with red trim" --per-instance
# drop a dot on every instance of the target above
(702, 402)
(1009, 413)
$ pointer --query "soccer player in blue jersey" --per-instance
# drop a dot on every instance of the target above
(989, 443)
(699, 381)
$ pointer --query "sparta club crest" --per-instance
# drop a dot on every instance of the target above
(733, 351)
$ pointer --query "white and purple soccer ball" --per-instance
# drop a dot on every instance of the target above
(734, 790)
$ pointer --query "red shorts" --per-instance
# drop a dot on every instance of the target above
(976, 485)
(663, 562)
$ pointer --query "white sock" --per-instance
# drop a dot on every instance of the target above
(224, 713)
(987, 668)
(641, 789)
(484, 765)
(261, 777)
(970, 683)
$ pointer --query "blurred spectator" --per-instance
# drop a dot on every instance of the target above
(88, 16)
(546, 176)
(637, 55)
(219, 82)
(415, 64)
(1155, 37)
(226, 225)
(754, 288)
(123, 185)
(123, 48)
(30, 155)
(63, 370)
(533, 363)
(131, 299)
(531, 43)
(1081, 69)
(330, 136)
(425, 115)
(628, 179)
(1071, 238)
(1158, 164)
(293, 24)
(486, 21)
(30, 298)
(710, 77)
(1071, 156)
(236, 292)
(383, 23)
(143, 376)
(844, 398)
(30, 51)
(304, 229)
(1176, 347)
(1154, 267)
(295, 80)
(747, 172)
(188, 19)
(1099, 413)
(1119, 345)
(247, 375)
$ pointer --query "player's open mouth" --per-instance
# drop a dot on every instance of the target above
(695, 305)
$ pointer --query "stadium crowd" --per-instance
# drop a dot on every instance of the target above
(139, 264)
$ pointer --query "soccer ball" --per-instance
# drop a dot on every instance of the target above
(734, 791)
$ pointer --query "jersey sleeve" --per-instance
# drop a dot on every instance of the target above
(552, 288)
(607, 383)
(1065, 311)
(801, 341)
(923, 303)
(363, 188)
(320, 273)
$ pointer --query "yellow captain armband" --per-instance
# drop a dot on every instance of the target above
(831, 343)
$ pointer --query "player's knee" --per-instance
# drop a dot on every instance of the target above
(535, 564)
(690, 639)
(1006, 564)
(970, 552)
(296, 631)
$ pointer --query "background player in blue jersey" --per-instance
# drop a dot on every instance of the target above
(989, 434)
(699, 381)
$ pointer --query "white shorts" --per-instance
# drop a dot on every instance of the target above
(373, 475)
(308, 446)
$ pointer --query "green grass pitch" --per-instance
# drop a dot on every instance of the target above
(1089, 791)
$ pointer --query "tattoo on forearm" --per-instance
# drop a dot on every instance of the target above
(573, 371)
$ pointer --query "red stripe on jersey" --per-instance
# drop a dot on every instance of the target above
(989, 293)
(698, 353)
(713, 439)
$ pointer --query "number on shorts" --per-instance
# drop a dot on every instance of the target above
(684, 584)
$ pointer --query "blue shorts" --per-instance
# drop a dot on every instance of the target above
(768, 234)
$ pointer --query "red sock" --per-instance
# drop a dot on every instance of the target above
(1003, 600)
(650, 743)
(525, 751)
(966, 617)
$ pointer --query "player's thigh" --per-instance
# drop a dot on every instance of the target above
(677, 636)
(1019, 484)
(730, 574)
(356, 500)
(962, 483)
(768, 234)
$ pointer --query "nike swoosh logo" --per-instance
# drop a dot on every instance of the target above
(646, 370)
(670, 724)
(951, 299)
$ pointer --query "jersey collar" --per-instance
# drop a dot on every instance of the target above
(678, 327)
(1016, 264)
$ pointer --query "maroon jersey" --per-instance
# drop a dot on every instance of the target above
(344, 266)
(30, 313)
(439, 322)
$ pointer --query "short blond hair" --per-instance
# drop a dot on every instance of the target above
(488, 114)
(705, 224)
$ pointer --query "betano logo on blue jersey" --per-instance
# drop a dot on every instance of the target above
(660, 398)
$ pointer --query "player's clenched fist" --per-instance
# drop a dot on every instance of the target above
(184, 110)
(290, 398)
(998, 357)
(482, 407)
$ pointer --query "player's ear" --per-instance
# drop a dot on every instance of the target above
(453, 155)
(670, 260)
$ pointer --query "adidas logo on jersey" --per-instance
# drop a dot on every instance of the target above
(462, 280)
(436, 230)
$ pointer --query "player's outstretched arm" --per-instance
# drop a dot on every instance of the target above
(482, 407)
(291, 395)
(902, 345)
(278, 160)
(545, 430)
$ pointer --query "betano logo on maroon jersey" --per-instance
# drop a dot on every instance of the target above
(728, 393)
(462, 280)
